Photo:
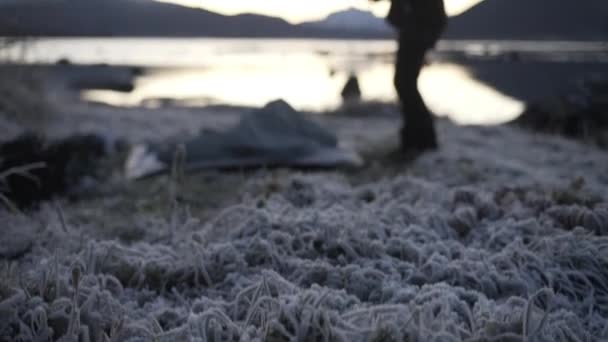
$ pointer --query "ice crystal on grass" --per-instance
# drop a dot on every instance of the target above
(311, 257)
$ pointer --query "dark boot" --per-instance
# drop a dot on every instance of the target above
(418, 134)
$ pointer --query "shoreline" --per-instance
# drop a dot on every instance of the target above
(527, 76)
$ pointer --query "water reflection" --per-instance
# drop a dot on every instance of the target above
(447, 88)
(450, 90)
(307, 73)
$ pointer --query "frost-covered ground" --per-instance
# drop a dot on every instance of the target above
(499, 236)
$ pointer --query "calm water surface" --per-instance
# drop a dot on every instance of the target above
(309, 74)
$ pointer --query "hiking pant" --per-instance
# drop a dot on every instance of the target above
(418, 131)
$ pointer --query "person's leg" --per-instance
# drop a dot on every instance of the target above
(418, 132)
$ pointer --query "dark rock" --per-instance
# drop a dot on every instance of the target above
(64, 61)
(351, 91)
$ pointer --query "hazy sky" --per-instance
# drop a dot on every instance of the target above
(302, 10)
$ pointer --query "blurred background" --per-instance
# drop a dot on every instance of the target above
(496, 58)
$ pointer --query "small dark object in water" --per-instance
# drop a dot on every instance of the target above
(351, 91)
(64, 61)
(56, 167)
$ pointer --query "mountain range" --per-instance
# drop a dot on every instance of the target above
(354, 20)
(490, 19)
(533, 20)
(151, 18)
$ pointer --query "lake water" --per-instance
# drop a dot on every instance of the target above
(309, 74)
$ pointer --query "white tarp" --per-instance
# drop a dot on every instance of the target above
(276, 135)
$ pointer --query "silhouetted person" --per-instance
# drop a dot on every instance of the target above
(420, 24)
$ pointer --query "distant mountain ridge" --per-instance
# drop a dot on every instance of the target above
(532, 20)
(147, 18)
(490, 19)
(126, 18)
(354, 19)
